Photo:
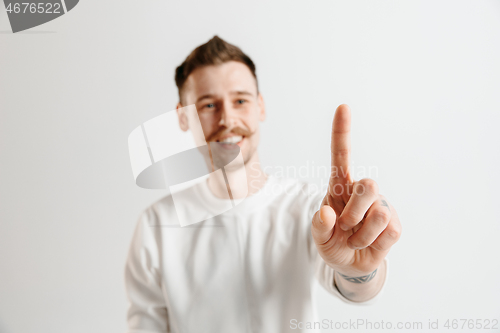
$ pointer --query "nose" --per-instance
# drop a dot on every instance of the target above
(227, 116)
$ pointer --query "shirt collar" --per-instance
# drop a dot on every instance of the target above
(242, 206)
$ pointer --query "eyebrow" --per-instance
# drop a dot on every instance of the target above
(241, 92)
(237, 92)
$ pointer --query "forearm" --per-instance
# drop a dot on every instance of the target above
(362, 288)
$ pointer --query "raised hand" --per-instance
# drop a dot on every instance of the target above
(356, 226)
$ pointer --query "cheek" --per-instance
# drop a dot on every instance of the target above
(255, 138)
(251, 120)
(208, 124)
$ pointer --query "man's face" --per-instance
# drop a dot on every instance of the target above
(228, 105)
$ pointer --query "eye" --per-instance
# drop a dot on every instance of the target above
(210, 105)
(240, 101)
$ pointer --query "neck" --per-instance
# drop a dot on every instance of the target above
(242, 180)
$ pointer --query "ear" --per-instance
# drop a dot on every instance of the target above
(183, 121)
(262, 107)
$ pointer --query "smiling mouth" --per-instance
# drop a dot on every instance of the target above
(235, 139)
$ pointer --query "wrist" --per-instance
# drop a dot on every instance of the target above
(353, 272)
(360, 288)
(358, 279)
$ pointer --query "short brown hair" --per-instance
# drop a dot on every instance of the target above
(214, 52)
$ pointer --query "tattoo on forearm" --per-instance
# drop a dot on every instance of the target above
(359, 279)
(384, 203)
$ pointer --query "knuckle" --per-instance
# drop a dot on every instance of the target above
(378, 246)
(381, 215)
(361, 242)
(369, 185)
(348, 218)
(393, 233)
(341, 152)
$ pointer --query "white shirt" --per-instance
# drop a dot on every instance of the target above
(250, 269)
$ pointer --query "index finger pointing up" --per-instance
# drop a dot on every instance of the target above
(341, 142)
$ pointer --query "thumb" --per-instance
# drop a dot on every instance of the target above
(323, 223)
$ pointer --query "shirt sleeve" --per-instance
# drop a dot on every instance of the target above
(147, 312)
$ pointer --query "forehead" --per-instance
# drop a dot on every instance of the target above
(220, 80)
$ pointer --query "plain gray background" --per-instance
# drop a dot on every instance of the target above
(422, 79)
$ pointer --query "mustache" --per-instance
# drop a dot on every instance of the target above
(224, 130)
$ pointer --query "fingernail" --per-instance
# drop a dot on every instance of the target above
(344, 227)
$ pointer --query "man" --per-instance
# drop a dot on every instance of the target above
(252, 268)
